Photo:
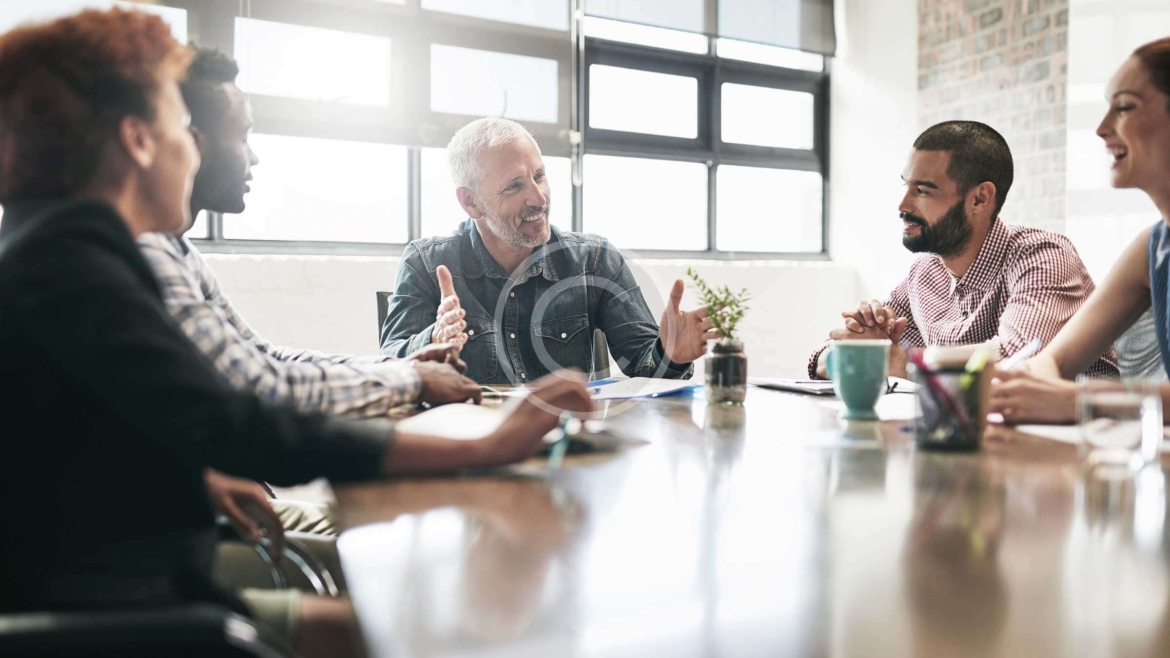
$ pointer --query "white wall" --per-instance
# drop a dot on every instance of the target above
(1102, 34)
(874, 117)
(329, 304)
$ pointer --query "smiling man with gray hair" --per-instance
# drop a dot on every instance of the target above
(525, 298)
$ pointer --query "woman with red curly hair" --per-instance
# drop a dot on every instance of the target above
(110, 418)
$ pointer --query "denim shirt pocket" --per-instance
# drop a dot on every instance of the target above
(479, 352)
(564, 343)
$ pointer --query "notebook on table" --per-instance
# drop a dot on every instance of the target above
(822, 386)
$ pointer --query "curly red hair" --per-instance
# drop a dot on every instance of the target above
(64, 88)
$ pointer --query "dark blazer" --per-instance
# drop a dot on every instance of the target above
(109, 416)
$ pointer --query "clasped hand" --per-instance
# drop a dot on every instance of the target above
(871, 320)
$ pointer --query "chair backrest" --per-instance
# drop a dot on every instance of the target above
(383, 311)
(600, 355)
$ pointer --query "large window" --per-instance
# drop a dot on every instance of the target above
(668, 126)
(354, 102)
(718, 151)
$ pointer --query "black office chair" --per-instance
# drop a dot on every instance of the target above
(600, 347)
(203, 631)
(310, 572)
(383, 311)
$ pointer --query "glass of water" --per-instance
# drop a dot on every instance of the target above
(1121, 422)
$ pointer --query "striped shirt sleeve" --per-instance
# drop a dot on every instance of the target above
(311, 382)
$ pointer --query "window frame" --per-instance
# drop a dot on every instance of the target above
(711, 71)
(409, 122)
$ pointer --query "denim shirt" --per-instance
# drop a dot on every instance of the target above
(540, 319)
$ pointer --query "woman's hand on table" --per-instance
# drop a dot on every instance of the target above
(1031, 395)
(528, 418)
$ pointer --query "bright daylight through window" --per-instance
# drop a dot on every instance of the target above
(684, 131)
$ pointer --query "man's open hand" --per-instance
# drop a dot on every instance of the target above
(684, 334)
(449, 322)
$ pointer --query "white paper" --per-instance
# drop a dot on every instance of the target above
(903, 385)
(638, 387)
(467, 422)
(1069, 433)
(1062, 433)
(454, 421)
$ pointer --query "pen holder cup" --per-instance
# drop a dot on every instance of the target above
(951, 402)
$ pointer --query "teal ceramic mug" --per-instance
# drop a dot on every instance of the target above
(858, 369)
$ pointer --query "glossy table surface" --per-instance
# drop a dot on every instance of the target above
(765, 530)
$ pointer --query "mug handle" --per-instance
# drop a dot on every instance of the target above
(829, 362)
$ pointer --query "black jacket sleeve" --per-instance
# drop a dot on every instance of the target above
(83, 297)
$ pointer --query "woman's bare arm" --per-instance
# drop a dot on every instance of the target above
(1109, 312)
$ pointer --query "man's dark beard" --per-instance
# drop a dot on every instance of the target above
(946, 238)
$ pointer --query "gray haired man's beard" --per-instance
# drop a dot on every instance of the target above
(514, 235)
(949, 237)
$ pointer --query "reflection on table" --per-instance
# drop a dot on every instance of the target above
(768, 529)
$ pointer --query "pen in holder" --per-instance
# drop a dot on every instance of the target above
(953, 387)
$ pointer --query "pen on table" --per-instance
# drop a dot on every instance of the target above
(1023, 355)
(557, 454)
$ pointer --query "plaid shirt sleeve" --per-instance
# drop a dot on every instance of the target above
(1047, 285)
(213, 293)
(310, 384)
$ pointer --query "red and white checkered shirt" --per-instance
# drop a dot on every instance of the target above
(1025, 283)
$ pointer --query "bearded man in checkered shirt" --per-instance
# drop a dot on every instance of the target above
(978, 279)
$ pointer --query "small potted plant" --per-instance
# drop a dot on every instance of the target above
(726, 365)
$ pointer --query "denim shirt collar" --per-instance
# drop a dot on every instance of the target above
(483, 263)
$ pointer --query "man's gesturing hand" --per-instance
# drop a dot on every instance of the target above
(684, 334)
(442, 383)
(247, 508)
(449, 322)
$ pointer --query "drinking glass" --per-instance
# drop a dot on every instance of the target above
(1121, 422)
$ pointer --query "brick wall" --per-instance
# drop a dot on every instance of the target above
(1005, 63)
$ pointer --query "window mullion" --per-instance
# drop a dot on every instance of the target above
(215, 226)
(414, 193)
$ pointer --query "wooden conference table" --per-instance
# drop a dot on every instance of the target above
(765, 530)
